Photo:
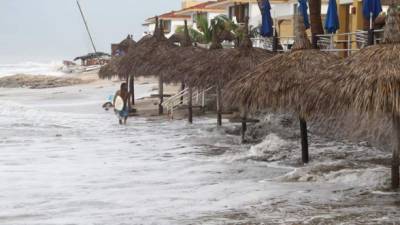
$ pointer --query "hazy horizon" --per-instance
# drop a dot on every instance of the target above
(52, 30)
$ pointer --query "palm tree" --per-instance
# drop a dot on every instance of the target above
(203, 31)
(195, 35)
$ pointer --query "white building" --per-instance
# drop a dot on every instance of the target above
(282, 12)
(190, 11)
(171, 21)
(201, 9)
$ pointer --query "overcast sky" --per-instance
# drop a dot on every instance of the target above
(46, 30)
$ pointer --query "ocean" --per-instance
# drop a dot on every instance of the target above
(31, 68)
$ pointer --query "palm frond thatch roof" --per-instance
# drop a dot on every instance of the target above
(186, 52)
(112, 69)
(219, 66)
(176, 38)
(127, 43)
(143, 39)
(279, 81)
(368, 81)
(152, 56)
(92, 56)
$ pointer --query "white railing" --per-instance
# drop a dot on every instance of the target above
(182, 98)
(266, 43)
(339, 42)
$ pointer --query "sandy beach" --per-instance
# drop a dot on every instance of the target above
(65, 160)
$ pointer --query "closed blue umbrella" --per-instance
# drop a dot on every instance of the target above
(371, 7)
(266, 26)
(332, 18)
(303, 8)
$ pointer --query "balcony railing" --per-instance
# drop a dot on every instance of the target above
(343, 43)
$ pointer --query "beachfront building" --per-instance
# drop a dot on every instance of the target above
(352, 21)
(282, 11)
(190, 11)
(201, 9)
(170, 20)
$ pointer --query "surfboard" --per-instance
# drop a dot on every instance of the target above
(119, 103)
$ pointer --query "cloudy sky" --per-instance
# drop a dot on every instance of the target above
(51, 30)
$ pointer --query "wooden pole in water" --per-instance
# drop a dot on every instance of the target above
(161, 94)
(182, 88)
(190, 105)
(244, 124)
(395, 153)
(132, 89)
(304, 140)
(219, 106)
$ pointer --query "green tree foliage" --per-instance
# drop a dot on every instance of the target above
(220, 22)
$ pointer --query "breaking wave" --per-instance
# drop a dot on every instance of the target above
(31, 68)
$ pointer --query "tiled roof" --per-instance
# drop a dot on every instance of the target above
(167, 16)
(172, 15)
(200, 6)
(180, 14)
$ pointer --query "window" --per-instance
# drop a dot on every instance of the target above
(167, 26)
(240, 12)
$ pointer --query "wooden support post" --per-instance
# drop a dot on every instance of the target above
(275, 41)
(371, 36)
(197, 96)
(132, 89)
(244, 124)
(396, 150)
(127, 85)
(190, 105)
(161, 94)
(314, 41)
(182, 88)
(203, 99)
(304, 140)
(219, 106)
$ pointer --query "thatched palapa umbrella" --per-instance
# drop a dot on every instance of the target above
(219, 66)
(184, 52)
(176, 37)
(196, 68)
(112, 68)
(279, 81)
(154, 56)
(126, 44)
(370, 84)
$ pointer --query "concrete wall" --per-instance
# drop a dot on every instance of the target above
(254, 15)
(174, 24)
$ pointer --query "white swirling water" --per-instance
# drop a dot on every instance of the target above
(63, 160)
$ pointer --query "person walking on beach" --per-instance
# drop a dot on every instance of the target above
(122, 108)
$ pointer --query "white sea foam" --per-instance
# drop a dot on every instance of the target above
(31, 68)
(272, 147)
(64, 166)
